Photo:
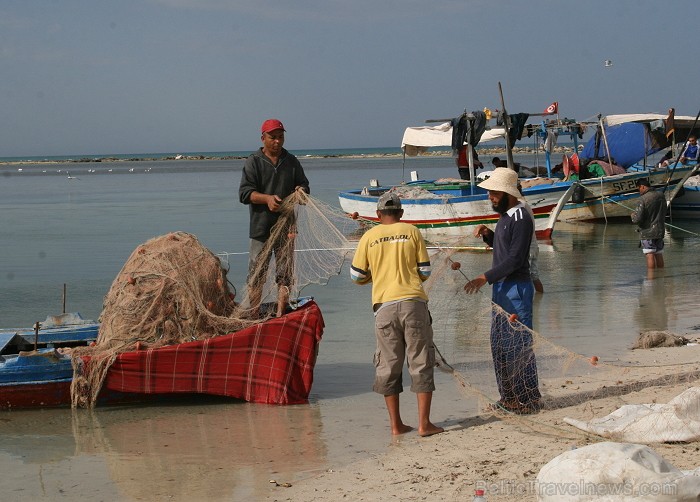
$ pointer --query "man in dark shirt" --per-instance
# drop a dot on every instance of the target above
(650, 216)
(513, 291)
(269, 175)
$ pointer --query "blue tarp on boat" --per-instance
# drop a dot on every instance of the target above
(627, 143)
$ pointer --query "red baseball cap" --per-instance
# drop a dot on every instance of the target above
(270, 125)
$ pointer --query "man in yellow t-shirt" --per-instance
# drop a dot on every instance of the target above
(393, 257)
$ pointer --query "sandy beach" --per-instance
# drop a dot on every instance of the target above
(499, 453)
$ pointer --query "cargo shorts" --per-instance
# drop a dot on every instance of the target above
(404, 332)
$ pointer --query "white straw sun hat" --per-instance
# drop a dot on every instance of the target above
(502, 179)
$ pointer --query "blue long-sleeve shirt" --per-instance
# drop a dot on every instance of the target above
(511, 246)
(691, 152)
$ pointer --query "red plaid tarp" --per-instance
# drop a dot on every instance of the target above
(272, 362)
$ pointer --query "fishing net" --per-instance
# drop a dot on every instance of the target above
(462, 324)
(173, 290)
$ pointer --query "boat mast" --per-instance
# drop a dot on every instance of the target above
(605, 139)
(506, 125)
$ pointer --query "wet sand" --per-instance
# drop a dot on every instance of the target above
(500, 453)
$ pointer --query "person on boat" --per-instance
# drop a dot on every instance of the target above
(665, 160)
(497, 162)
(393, 257)
(462, 162)
(513, 291)
(650, 217)
(691, 151)
(269, 175)
(571, 167)
(523, 172)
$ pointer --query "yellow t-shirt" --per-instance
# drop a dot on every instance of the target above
(394, 258)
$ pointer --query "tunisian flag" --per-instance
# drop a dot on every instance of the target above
(551, 109)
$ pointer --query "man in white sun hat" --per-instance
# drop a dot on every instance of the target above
(513, 290)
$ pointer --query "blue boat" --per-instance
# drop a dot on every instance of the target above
(35, 379)
(63, 330)
(33, 371)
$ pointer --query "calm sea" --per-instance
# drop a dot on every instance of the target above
(80, 230)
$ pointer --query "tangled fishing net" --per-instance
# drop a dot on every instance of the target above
(173, 290)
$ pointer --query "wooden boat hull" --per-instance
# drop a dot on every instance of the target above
(453, 212)
(36, 395)
(37, 378)
(687, 204)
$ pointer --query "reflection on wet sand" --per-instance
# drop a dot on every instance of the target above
(653, 309)
(210, 452)
(36, 438)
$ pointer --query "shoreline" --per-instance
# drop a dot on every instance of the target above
(436, 153)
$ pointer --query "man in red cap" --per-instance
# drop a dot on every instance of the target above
(269, 175)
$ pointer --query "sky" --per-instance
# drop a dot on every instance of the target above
(151, 76)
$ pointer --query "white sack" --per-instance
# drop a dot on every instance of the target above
(619, 472)
(679, 420)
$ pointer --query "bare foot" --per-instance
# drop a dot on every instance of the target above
(430, 430)
(538, 286)
(401, 429)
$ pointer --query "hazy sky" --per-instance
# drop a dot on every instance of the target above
(139, 76)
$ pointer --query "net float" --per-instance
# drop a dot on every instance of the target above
(131, 280)
(594, 360)
(355, 215)
(456, 265)
(513, 317)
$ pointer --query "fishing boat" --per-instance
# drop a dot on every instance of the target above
(445, 209)
(270, 362)
(34, 371)
(634, 139)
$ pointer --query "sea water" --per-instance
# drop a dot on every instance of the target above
(79, 231)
